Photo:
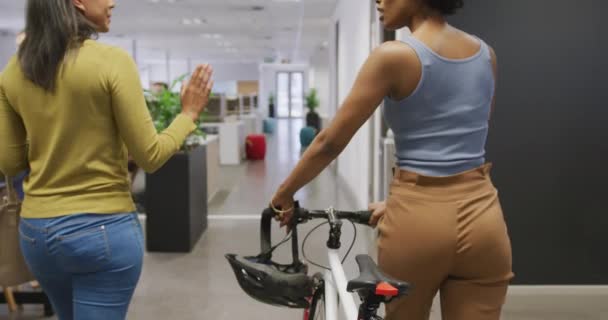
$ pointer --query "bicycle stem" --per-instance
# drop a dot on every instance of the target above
(335, 229)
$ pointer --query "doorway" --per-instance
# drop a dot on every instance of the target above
(290, 94)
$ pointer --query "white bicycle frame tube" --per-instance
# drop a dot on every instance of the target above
(331, 297)
(336, 281)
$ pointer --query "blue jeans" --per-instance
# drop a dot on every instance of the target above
(88, 264)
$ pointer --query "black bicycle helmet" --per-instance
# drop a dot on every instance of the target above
(270, 282)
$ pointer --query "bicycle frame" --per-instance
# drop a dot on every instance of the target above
(335, 295)
(335, 285)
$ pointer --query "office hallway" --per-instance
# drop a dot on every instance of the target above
(201, 285)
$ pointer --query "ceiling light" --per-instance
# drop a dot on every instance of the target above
(186, 21)
(197, 21)
(217, 36)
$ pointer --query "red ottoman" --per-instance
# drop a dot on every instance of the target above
(256, 146)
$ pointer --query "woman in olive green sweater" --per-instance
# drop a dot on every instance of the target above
(71, 110)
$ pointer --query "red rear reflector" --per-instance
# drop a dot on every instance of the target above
(386, 290)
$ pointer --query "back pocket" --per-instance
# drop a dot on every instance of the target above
(84, 251)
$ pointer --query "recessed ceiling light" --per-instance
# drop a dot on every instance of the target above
(186, 21)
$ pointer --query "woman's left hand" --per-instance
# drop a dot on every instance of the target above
(284, 204)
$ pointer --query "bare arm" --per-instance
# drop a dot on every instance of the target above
(495, 69)
(375, 80)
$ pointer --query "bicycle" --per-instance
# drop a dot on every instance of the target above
(321, 294)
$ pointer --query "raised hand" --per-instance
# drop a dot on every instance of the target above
(195, 94)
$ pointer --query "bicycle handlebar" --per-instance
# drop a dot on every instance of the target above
(302, 215)
(361, 217)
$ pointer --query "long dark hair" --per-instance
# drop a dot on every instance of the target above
(53, 27)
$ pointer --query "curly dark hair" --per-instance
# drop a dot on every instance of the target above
(446, 7)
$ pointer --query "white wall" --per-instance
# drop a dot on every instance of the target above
(124, 43)
(229, 88)
(221, 71)
(157, 70)
(319, 79)
(235, 71)
(153, 64)
(354, 47)
(268, 83)
(8, 48)
(402, 33)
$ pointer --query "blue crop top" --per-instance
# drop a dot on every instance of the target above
(441, 128)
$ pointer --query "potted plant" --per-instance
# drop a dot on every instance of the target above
(312, 117)
(176, 194)
(164, 105)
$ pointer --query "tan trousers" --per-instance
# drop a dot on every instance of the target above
(446, 234)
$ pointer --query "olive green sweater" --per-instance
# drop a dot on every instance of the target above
(76, 139)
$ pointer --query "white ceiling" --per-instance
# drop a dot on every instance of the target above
(219, 30)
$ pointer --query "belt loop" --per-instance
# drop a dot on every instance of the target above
(407, 176)
(487, 168)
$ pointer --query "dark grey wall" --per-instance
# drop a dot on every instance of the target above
(549, 134)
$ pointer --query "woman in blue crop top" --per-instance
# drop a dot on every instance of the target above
(442, 227)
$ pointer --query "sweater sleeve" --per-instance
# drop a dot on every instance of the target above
(149, 149)
(13, 144)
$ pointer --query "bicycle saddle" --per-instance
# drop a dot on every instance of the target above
(372, 280)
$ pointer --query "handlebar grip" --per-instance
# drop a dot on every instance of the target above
(364, 217)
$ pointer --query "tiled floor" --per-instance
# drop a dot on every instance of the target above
(201, 285)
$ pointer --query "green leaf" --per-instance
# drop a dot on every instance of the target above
(178, 80)
(165, 106)
(312, 101)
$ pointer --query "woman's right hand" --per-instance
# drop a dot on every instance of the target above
(378, 210)
(195, 94)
